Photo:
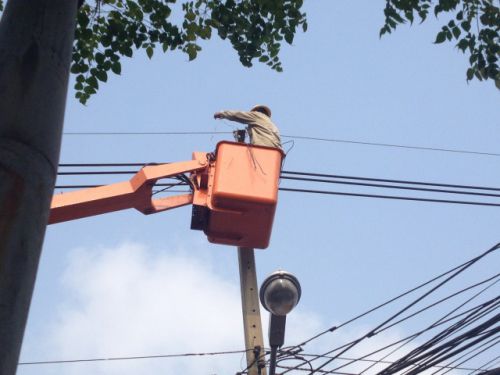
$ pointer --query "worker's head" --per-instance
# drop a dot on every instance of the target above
(262, 109)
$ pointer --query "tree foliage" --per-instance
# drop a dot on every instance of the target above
(108, 30)
(474, 25)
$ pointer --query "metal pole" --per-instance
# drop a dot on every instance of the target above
(252, 324)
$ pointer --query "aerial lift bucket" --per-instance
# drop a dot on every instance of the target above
(234, 197)
(236, 200)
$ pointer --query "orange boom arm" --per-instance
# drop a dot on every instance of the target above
(234, 198)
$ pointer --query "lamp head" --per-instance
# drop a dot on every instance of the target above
(280, 292)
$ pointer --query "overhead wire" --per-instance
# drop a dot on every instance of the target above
(484, 347)
(409, 359)
(411, 182)
(445, 351)
(353, 194)
(432, 360)
(331, 179)
(455, 272)
(470, 299)
(399, 296)
(387, 362)
(488, 365)
(284, 175)
(442, 335)
(403, 340)
(392, 197)
(321, 139)
(124, 358)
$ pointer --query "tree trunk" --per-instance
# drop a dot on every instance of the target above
(36, 38)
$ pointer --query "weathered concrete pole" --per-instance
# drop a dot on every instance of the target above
(36, 38)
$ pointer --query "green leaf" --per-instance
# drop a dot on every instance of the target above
(149, 52)
(101, 75)
(470, 74)
(92, 82)
(74, 68)
(191, 51)
(116, 67)
(127, 51)
(99, 58)
(456, 32)
(463, 44)
(89, 90)
(440, 37)
(264, 59)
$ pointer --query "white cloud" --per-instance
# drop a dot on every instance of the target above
(133, 301)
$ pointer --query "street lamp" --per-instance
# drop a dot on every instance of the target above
(279, 294)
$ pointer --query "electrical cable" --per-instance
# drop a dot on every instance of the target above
(496, 341)
(373, 332)
(386, 362)
(455, 328)
(393, 181)
(389, 186)
(474, 315)
(283, 175)
(492, 363)
(394, 197)
(347, 141)
(52, 362)
(446, 348)
(435, 323)
(329, 192)
(333, 328)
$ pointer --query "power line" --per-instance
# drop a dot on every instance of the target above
(147, 133)
(321, 139)
(52, 362)
(386, 362)
(395, 197)
(344, 348)
(424, 183)
(383, 186)
(327, 178)
(285, 177)
(422, 148)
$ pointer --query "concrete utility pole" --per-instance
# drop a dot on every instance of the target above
(252, 323)
(36, 38)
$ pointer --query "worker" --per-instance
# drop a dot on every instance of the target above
(261, 129)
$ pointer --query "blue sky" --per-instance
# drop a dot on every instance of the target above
(124, 284)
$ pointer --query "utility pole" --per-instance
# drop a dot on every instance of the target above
(36, 38)
(252, 323)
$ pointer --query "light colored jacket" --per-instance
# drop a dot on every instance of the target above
(262, 130)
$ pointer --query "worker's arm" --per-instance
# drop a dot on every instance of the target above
(238, 116)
